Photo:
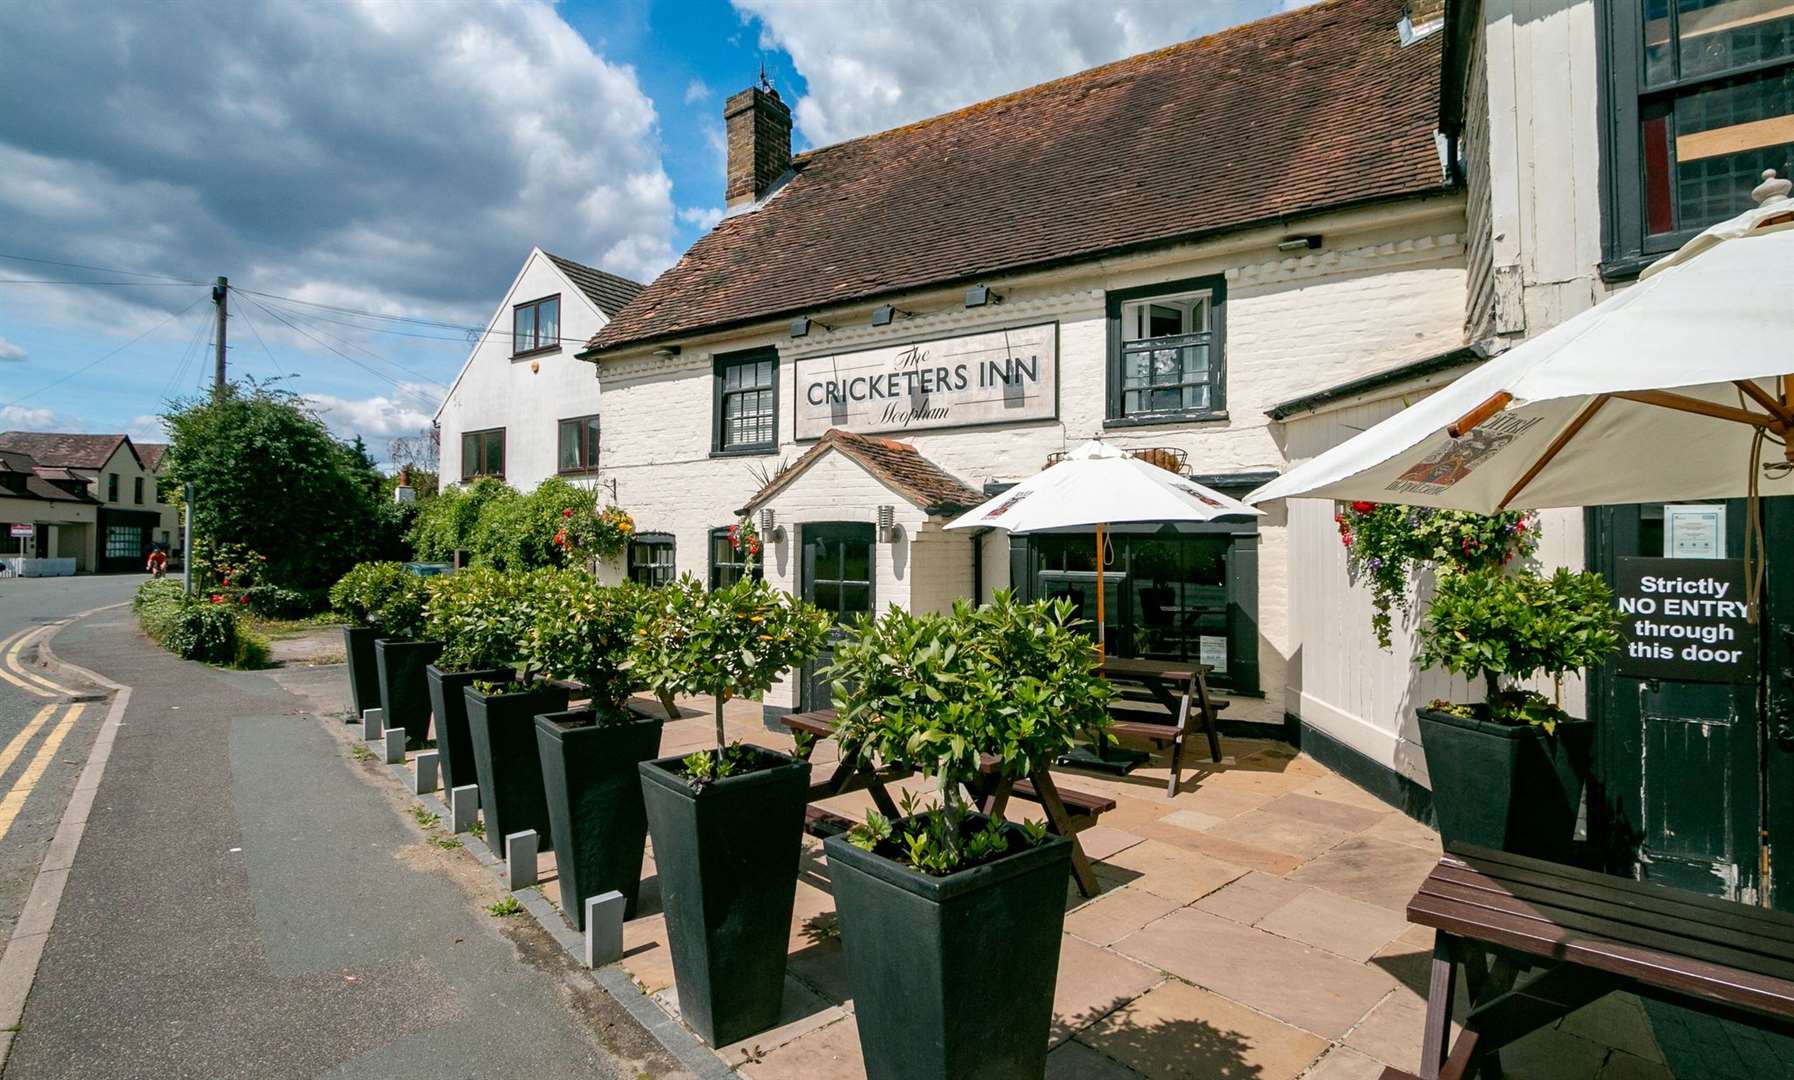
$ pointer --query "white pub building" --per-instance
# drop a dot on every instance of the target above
(1160, 253)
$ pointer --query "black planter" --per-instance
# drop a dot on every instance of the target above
(594, 795)
(924, 954)
(364, 677)
(1507, 786)
(503, 730)
(727, 858)
(454, 745)
(404, 690)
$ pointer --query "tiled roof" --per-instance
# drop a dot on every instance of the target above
(150, 453)
(892, 463)
(36, 486)
(610, 292)
(1315, 108)
(63, 449)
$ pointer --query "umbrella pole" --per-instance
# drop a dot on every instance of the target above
(1102, 630)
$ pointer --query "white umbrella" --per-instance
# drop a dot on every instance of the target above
(1098, 485)
(1676, 388)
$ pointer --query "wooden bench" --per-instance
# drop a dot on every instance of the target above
(1174, 695)
(1586, 935)
(1068, 811)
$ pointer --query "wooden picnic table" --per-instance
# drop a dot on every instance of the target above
(1178, 691)
(1068, 811)
(1496, 915)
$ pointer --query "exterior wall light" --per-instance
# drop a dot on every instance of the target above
(1306, 242)
(888, 529)
(666, 351)
(883, 314)
(980, 295)
(800, 327)
(769, 525)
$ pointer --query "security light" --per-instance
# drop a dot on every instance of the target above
(1306, 242)
(883, 314)
(980, 295)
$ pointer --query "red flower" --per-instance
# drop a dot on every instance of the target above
(227, 581)
(1363, 507)
(244, 599)
(567, 513)
(1520, 526)
(216, 599)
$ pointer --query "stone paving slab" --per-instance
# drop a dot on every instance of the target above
(1179, 1031)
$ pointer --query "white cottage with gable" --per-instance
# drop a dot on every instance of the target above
(522, 408)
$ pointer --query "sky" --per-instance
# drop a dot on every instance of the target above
(401, 157)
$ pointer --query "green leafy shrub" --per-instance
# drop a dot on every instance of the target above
(731, 642)
(1017, 682)
(1494, 625)
(482, 617)
(585, 631)
(278, 602)
(1386, 542)
(193, 628)
(445, 523)
(385, 596)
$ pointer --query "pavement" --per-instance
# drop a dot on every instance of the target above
(248, 899)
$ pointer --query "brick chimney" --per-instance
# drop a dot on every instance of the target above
(759, 132)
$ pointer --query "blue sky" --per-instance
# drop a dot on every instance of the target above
(401, 158)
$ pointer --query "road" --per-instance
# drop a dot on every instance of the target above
(247, 900)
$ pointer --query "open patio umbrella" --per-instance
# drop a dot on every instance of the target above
(1098, 485)
(1679, 387)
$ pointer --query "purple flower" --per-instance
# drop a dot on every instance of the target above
(1376, 562)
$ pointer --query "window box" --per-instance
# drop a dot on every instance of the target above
(536, 327)
(1166, 353)
(745, 403)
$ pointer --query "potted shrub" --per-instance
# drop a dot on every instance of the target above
(1508, 772)
(481, 619)
(944, 904)
(354, 597)
(397, 599)
(728, 822)
(584, 631)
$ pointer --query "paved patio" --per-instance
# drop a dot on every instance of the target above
(1251, 927)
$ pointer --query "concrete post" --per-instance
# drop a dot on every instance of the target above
(424, 781)
(373, 724)
(464, 808)
(604, 929)
(395, 745)
(520, 860)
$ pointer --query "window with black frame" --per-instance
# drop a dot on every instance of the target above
(577, 439)
(651, 559)
(483, 453)
(1165, 347)
(728, 565)
(1701, 103)
(536, 326)
(746, 405)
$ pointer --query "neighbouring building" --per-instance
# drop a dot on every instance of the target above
(881, 333)
(521, 408)
(1590, 137)
(125, 512)
(47, 518)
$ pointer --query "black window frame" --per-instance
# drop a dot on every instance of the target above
(112, 487)
(137, 490)
(720, 366)
(737, 562)
(653, 540)
(1623, 95)
(1215, 285)
(535, 308)
(589, 452)
(480, 470)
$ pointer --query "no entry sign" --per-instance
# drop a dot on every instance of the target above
(1685, 620)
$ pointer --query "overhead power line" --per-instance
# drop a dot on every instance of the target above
(133, 284)
(88, 266)
(87, 367)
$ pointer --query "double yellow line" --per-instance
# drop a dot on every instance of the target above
(14, 799)
(14, 671)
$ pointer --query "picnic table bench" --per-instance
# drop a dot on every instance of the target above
(1587, 935)
(1174, 694)
(1068, 811)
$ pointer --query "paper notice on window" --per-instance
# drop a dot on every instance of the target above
(1213, 652)
(1694, 531)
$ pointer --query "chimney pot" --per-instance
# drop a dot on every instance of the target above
(759, 135)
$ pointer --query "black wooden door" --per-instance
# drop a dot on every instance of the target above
(1691, 783)
(838, 574)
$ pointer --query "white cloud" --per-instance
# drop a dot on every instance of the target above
(19, 418)
(144, 429)
(402, 157)
(696, 91)
(377, 419)
(880, 63)
(10, 351)
(704, 217)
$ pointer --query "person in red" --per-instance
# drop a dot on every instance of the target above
(158, 562)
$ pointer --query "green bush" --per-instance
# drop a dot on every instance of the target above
(446, 522)
(276, 602)
(583, 630)
(193, 628)
(1494, 625)
(937, 693)
(482, 617)
(385, 596)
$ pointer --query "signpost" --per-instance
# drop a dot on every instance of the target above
(1685, 620)
(20, 530)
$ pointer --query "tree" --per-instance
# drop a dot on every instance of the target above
(269, 477)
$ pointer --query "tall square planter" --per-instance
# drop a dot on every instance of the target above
(727, 858)
(594, 791)
(404, 689)
(1510, 787)
(925, 954)
(454, 743)
(503, 732)
(364, 676)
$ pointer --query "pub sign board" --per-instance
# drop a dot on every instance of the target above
(991, 377)
(1685, 620)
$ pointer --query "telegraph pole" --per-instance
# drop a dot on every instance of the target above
(220, 298)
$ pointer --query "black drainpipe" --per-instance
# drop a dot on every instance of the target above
(978, 565)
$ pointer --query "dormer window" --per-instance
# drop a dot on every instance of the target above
(536, 326)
